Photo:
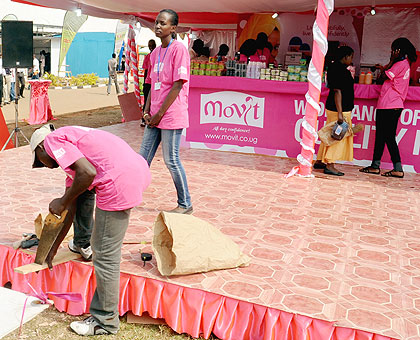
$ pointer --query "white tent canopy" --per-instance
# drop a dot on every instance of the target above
(120, 9)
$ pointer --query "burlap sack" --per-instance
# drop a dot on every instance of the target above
(324, 134)
(184, 244)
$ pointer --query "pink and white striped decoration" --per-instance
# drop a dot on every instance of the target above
(127, 63)
(132, 64)
(315, 71)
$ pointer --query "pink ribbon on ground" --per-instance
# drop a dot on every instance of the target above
(43, 297)
(74, 297)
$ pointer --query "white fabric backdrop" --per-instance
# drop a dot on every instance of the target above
(380, 30)
(300, 25)
(213, 39)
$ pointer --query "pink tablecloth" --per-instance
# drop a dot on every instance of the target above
(40, 108)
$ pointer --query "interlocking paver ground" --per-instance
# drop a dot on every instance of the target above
(340, 249)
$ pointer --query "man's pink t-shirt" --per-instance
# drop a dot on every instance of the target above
(175, 65)
(395, 89)
(146, 67)
(264, 55)
(244, 58)
(121, 173)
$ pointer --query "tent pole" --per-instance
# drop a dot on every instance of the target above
(316, 68)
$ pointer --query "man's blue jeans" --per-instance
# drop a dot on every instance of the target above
(170, 149)
(12, 91)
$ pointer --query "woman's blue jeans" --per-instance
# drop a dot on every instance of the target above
(170, 148)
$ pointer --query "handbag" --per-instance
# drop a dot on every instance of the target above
(339, 130)
(325, 134)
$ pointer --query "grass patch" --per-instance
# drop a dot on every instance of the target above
(51, 324)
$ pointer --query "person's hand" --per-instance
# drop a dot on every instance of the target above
(379, 67)
(50, 256)
(155, 120)
(395, 54)
(340, 119)
(56, 206)
(147, 117)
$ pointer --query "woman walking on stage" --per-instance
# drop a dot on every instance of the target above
(340, 103)
(166, 111)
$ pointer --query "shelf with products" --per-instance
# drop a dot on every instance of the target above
(252, 70)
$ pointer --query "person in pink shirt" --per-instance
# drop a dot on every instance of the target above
(248, 51)
(146, 68)
(95, 160)
(263, 52)
(166, 112)
(390, 105)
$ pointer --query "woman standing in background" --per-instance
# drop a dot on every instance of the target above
(390, 105)
(166, 111)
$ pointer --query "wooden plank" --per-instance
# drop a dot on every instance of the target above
(136, 242)
(129, 107)
(27, 251)
(62, 256)
(144, 319)
(38, 226)
(50, 231)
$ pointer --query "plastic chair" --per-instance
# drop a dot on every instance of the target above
(66, 70)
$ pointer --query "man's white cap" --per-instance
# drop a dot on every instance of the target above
(37, 137)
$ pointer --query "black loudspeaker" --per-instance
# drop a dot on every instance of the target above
(17, 43)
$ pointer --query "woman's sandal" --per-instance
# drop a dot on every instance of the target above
(392, 174)
(370, 170)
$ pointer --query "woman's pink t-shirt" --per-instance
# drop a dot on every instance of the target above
(121, 173)
(146, 67)
(174, 66)
(395, 89)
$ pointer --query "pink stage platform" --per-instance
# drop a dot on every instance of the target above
(332, 258)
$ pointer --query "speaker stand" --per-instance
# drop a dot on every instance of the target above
(17, 129)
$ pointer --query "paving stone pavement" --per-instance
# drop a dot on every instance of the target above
(340, 249)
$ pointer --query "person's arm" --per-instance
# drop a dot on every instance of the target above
(392, 60)
(85, 173)
(68, 221)
(170, 98)
(338, 98)
(146, 113)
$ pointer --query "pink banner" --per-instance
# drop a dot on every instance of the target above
(264, 117)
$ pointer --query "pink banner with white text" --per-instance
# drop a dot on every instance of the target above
(265, 117)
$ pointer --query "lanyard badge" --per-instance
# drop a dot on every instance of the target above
(158, 84)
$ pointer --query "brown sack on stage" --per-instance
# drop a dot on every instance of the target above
(184, 244)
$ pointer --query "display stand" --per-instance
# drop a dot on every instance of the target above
(40, 109)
